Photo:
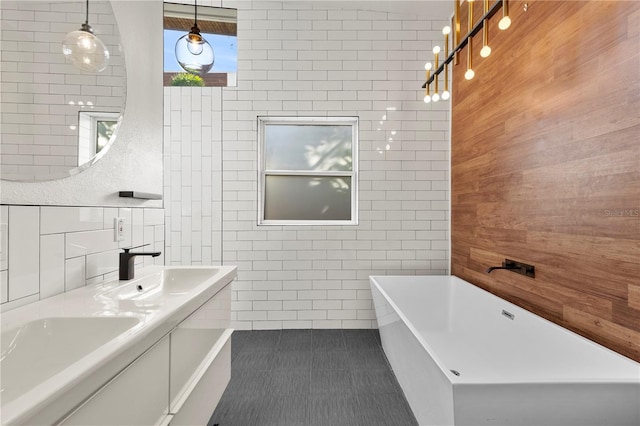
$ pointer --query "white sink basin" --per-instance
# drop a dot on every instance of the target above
(178, 281)
(39, 349)
(171, 281)
(57, 349)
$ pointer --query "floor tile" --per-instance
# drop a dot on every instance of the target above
(284, 410)
(328, 340)
(311, 377)
(374, 381)
(262, 340)
(253, 360)
(384, 409)
(330, 410)
(334, 382)
(295, 340)
(330, 360)
(241, 411)
(292, 360)
(367, 359)
(358, 340)
(249, 382)
(296, 382)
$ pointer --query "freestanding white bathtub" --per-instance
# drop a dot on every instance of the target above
(466, 357)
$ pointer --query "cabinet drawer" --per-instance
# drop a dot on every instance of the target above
(193, 339)
(136, 396)
(198, 399)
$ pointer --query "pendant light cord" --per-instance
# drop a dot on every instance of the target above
(86, 21)
(195, 14)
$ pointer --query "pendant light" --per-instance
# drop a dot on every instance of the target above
(436, 95)
(427, 96)
(193, 52)
(505, 22)
(469, 74)
(446, 31)
(85, 51)
(486, 50)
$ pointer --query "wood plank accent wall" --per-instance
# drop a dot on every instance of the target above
(546, 165)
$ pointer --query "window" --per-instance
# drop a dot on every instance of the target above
(94, 132)
(218, 26)
(308, 170)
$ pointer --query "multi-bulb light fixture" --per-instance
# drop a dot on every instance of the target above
(458, 45)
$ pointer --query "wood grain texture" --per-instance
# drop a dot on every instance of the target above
(546, 165)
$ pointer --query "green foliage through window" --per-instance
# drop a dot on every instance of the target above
(186, 79)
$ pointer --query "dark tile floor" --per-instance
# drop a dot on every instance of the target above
(309, 378)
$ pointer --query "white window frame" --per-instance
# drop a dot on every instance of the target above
(88, 133)
(264, 121)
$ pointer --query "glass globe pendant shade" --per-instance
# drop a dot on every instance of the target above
(194, 53)
(85, 51)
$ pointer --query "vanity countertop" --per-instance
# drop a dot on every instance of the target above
(79, 338)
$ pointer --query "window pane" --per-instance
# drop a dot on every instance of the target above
(307, 198)
(104, 130)
(308, 147)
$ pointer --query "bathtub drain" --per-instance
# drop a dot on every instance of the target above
(455, 372)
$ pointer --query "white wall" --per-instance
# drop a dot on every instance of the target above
(134, 161)
(312, 58)
(48, 250)
(58, 235)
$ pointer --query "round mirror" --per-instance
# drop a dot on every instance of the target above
(55, 120)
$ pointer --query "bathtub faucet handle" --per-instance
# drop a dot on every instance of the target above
(519, 267)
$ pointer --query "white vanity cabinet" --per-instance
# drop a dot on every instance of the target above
(178, 381)
(136, 396)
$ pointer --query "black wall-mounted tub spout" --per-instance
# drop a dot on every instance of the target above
(519, 267)
(493, 268)
(127, 258)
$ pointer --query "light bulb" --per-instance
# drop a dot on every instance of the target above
(469, 74)
(436, 50)
(485, 51)
(435, 97)
(427, 99)
(427, 66)
(446, 30)
(85, 42)
(445, 95)
(504, 23)
(195, 47)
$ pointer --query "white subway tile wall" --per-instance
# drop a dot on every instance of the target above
(48, 250)
(312, 59)
(41, 93)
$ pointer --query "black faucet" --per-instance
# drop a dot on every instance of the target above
(127, 261)
(518, 267)
(508, 267)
